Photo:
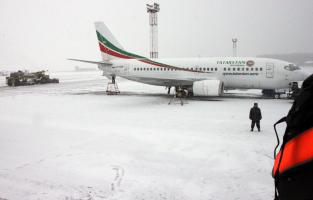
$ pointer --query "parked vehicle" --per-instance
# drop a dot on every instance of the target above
(20, 78)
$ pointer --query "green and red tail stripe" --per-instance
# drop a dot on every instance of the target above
(108, 48)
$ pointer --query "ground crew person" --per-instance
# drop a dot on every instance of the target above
(255, 116)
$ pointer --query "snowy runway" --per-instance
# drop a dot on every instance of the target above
(71, 141)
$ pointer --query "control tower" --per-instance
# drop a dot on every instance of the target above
(153, 10)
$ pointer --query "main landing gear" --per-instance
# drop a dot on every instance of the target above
(180, 94)
(112, 88)
(168, 89)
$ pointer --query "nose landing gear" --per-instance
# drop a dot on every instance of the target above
(294, 90)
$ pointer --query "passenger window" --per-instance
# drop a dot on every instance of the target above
(261, 69)
(234, 69)
(251, 69)
(247, 69)
(211, 68)
(256, 69)
(215, 69)
(224, 68)
(228, 69)
(238, 69)
(208, 69)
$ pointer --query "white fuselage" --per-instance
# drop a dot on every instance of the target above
(234, 72)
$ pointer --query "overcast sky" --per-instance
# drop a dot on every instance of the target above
(43, 33)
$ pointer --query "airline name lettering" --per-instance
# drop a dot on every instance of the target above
(232, 62)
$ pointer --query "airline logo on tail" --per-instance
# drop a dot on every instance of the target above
(107, 47)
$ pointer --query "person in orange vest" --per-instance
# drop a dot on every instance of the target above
(293, 164)
(255, 116)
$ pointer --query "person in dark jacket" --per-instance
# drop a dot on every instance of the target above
(255, 116)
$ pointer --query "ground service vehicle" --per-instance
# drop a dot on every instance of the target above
(20, 78)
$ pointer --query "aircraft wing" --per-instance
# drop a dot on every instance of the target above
(92, 62)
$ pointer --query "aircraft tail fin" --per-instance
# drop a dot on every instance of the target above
(110, 48)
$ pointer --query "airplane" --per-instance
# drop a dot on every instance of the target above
(196, 76)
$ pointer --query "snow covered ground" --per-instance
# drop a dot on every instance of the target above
(72, 141)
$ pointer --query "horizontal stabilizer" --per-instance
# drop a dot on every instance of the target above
(92, 62)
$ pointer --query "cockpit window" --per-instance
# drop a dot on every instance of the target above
(292, 67)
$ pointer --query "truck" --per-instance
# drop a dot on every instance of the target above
(21, 78)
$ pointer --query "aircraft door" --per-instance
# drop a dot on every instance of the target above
(270, 70)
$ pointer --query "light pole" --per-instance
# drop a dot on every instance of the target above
(153, 21)
(234, 47)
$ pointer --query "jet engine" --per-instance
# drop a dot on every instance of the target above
(207, 88)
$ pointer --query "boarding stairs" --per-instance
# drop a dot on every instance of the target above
(112, 89)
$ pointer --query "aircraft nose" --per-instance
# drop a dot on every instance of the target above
(303, 75)
(299, 75)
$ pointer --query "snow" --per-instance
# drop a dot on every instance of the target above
(72, 141)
